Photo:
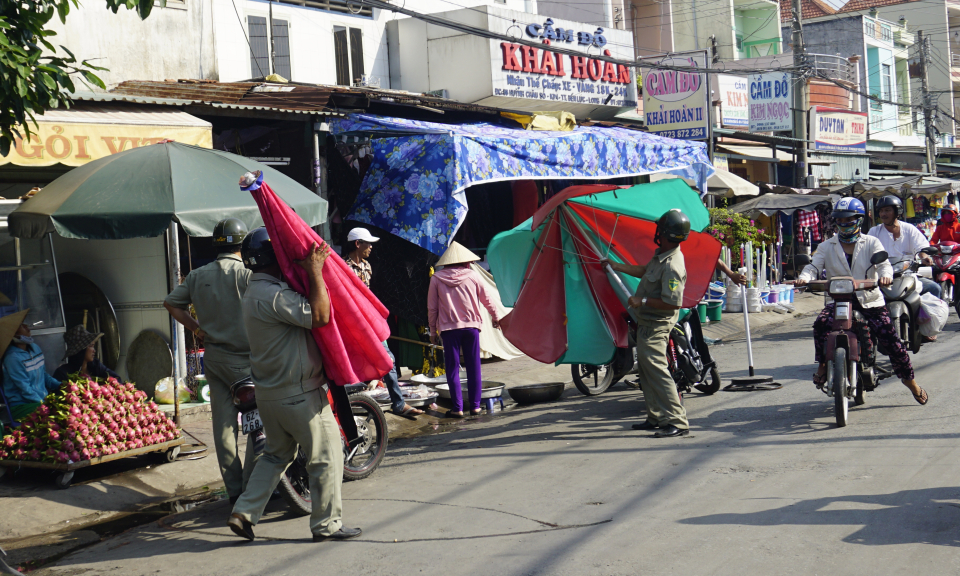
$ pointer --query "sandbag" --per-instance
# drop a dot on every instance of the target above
(933, 314)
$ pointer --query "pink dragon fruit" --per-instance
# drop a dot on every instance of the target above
(54, 435)
(111, 437)
(68, 445)
(20, 454)
(62, 457)
(35, 454)
(86, 454)
(54, 426)
(75, 456)
(23, 440)
(38, 443)
(9, 441)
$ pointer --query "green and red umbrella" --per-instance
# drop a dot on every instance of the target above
(565, 307)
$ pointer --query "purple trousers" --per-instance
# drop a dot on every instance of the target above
(467, 339)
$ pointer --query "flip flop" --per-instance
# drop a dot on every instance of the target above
(409, 412)
(922, 398)
(452, 414)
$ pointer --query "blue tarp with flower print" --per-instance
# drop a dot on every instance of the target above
(415, 186)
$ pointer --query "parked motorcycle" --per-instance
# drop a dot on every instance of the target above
(688, 359)
(903, 302)
(360, 457)
(946, 268)
(850, 348)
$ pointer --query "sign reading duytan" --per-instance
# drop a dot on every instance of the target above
(77, 136)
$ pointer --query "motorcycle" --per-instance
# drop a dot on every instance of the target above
(361, 456)
(850, 348)
(946, 268)
(903, 303)
(688, 359)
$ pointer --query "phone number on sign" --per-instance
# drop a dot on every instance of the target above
(687, 134)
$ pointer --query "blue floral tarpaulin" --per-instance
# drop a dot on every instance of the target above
(415, 186)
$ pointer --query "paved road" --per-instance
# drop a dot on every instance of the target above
(766, 485)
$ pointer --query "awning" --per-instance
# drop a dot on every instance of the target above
(415, 186)
(757, 152)
(77, 136)
(720, 181)
(770, 204)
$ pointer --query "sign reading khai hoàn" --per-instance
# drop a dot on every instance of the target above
(675, 97)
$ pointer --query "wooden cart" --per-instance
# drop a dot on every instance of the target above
(170, 450)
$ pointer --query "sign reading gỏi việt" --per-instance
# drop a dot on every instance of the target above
(734, 108)
(769, 98)
(675, 97)
(841, 130)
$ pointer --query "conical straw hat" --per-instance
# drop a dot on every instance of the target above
(9, 325)
(457, 254)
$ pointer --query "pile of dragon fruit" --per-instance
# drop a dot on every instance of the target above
(86, 419)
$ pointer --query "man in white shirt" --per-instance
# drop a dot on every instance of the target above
(900, 239)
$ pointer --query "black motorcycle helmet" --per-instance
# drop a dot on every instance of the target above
(229, 232)
(891, 201)
(257, 250)
(673, 226)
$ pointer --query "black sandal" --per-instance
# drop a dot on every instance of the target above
(452, 414)
(820, 379)
(476, 412)
(922, 398)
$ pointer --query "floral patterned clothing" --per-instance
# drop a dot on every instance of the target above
(363, 270)
(878, 320)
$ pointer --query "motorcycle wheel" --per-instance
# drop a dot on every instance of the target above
(294, 486)
(946, 291)
(593, 380)
(841, 402)
(714, 384)
(372, 425)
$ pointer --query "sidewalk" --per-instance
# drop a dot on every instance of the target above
(731, 325)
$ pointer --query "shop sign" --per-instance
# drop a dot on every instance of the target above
(540, 74)
(734, 108)
(675, 101)
(74, 144)
(769, 99)
(840, 130)
(548, 32)
(721, 161)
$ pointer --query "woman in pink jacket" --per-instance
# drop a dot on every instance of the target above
(453, 310)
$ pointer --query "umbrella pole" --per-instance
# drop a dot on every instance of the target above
(176, 329)
(746, 325)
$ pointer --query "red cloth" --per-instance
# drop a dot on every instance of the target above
(525, 200)
(351, 342)
(946, 233)
(809, 219)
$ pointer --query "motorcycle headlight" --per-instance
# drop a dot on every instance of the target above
(844, 286)
(946, 249)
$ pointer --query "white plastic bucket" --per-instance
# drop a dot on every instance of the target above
(733, 302)
(753, 300)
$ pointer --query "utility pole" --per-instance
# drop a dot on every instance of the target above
(799, 98)
(273, 65)
(928, 129)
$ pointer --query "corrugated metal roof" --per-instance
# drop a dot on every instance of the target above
(86, 96)
(106, 114)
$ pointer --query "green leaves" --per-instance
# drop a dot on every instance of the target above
(34, 76)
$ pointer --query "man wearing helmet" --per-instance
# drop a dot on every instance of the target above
(215, 290)
(901, 239)
(287, 368)
(948, 228)
(848, 253)
(658, 300)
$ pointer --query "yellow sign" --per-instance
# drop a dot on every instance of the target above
(76, 144)
(720, 161)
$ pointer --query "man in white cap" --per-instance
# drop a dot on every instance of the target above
(360, 243)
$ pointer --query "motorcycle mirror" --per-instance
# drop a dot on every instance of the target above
(929, 250)
(878, 257)
(802, 260)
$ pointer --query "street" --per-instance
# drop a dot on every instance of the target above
(765, 484)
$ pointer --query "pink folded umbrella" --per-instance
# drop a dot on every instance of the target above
(351, 342)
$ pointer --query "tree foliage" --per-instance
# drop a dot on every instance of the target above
(34, 74)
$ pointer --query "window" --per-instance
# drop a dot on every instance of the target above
(739, 41)
(886, 34)
(259, 47)
(281, 49)
(348, 53)
(870, 28)
(887, 88)
(353, 7)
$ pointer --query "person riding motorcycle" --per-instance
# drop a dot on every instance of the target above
(948, 228)
(848, 253)
(901, 239)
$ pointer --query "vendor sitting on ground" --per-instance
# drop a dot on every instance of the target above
(82, 356)
(25, 380)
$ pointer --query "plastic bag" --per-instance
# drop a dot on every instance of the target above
(937, 311)
(163, 394)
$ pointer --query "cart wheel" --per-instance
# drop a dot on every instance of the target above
(63, 480)
(171, 454)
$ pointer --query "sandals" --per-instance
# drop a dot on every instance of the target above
(922, 398)
(409, 412)
(820, 379)
(476, 412)
(452, 414)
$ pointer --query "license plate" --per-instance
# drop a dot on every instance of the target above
(251, 421)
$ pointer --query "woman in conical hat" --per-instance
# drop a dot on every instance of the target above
(453, 310)
(25, 379)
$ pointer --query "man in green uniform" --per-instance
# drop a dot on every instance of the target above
(287, 369)
(658, 300)
(215, 290)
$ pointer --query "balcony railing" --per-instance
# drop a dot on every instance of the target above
(955, 60)
(836, 67)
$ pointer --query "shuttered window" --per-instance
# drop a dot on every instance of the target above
(281, 49)
(356, 54)
(259, 47)
(341, 55)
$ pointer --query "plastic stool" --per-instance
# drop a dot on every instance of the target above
(490, 403)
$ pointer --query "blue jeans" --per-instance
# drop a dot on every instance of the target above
(930, 287)
(393, 384)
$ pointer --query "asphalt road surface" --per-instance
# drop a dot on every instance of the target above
(765, 484)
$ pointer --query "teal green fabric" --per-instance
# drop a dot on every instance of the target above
(650, 201)
(136, 193)
(508, 255)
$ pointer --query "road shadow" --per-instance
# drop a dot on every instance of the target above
(922, 516)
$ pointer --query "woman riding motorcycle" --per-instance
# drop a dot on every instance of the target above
(848, 253)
